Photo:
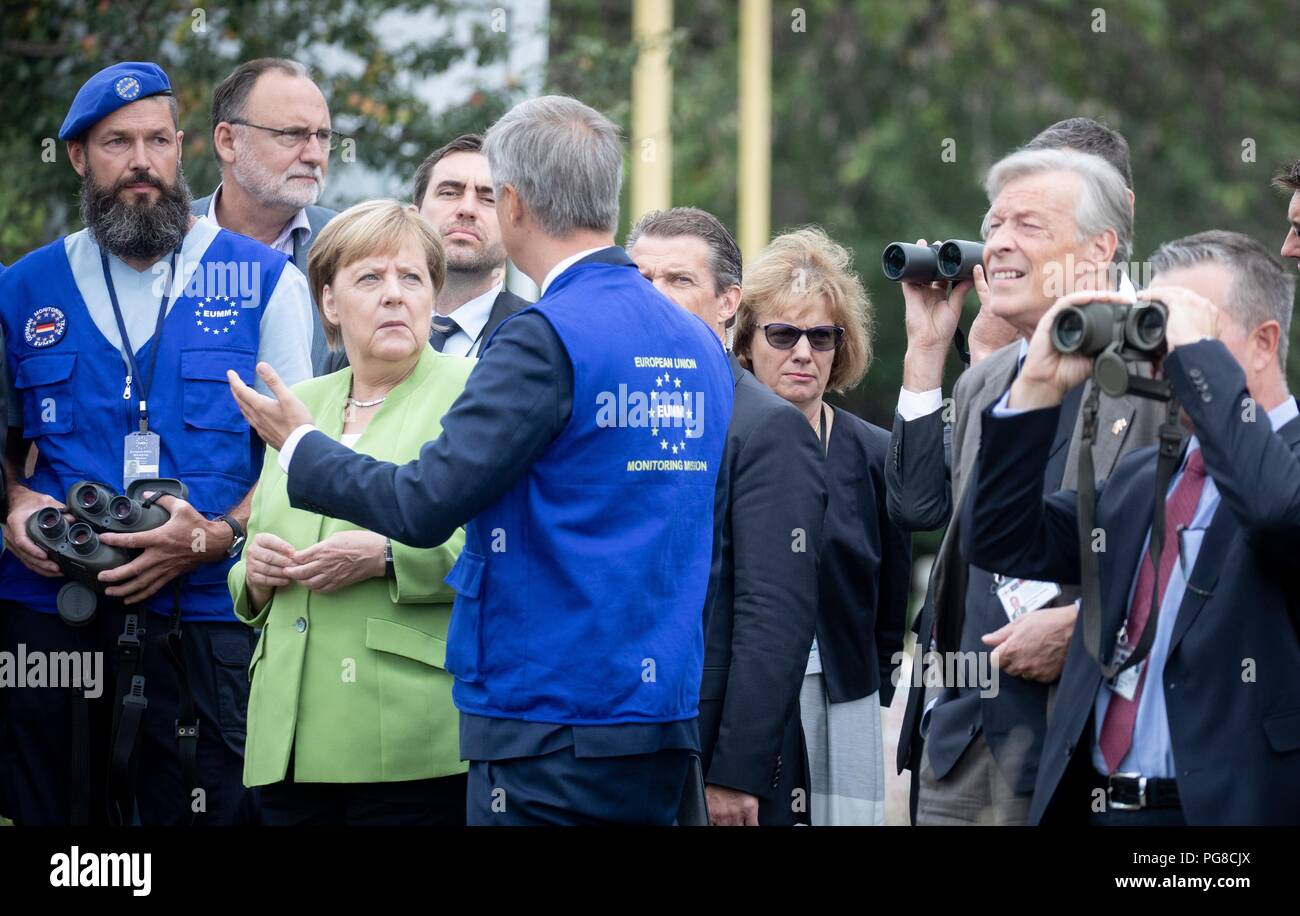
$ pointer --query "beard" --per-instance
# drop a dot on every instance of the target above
(488, 257)
(136, 230)
(279, 191)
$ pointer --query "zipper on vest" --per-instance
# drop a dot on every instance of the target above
(126, 392)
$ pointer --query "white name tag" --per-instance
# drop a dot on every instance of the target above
(1125, 684)
(1020, 596)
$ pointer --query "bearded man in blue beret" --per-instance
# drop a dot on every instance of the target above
(117, 341)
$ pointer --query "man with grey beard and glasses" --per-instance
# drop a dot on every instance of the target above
(272, 138)
(117, 341)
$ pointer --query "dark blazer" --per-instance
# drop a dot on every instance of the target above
(505, 305)
(959, 606)
(1236, 739)
(762, 604)
(317, 217)
(866, 567)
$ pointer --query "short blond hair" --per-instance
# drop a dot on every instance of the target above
(370, 228)
(793, 270)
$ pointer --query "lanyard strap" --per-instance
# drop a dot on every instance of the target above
(129, 350)
(822, 432)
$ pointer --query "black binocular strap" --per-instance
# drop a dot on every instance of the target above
(130, 706)
(1089, 562)
(128, 711)
(959, 344)
(187, 725)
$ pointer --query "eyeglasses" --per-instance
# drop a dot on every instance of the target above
(294, 137)
(786, 336)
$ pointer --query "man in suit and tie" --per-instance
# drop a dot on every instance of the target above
(1205, 728)
(582, 458)
(1059, 221)
(762, 608)
(272, 138)
(453, 191)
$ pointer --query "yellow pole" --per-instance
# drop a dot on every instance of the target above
(652, 105)
(753, 197)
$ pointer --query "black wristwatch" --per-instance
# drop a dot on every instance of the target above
(390, 567)
(238, 531)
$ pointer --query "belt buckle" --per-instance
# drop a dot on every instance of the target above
(1125, 806)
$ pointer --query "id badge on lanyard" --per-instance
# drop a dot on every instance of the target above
(1125, 683)
(142, 448)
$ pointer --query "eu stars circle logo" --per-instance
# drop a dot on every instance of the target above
(127, 88)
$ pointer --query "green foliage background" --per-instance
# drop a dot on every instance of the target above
(865, 93)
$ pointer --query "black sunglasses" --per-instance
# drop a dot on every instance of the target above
(785, 336)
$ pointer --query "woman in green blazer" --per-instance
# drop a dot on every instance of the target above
(350, 718)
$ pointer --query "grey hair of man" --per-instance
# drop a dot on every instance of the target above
(1103, 197)
(1262, 289)
(564, 160)
(724, 254)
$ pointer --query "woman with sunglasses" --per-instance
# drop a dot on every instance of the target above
(804, 326)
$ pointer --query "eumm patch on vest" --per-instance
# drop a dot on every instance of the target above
(673, 414)
(45, 327)
(216, 314)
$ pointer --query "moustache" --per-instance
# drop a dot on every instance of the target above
(137, 178)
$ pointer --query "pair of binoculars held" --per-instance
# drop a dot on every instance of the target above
(953, 260)
(75, 546)
(1114, 334)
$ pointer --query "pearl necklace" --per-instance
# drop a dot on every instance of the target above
(353, 402)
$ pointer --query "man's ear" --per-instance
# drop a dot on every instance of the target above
(1268, 337)
(223, 140)
(516, 211)
(180, 140)
(77, 156)
(728, 303)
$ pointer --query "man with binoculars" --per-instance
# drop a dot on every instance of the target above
(118, 338)
(1179, 707)
(1058, 223)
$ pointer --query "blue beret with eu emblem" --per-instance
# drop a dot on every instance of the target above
(110, 89)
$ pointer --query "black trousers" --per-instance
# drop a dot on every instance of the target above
(562, 789)
(43, 768)
(416, 803)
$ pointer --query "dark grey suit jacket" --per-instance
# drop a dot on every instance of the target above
(317, 217)
(763, 596)
(505, 305)
(922, 497)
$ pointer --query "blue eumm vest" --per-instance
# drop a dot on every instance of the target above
(70, 381)
(581, 591)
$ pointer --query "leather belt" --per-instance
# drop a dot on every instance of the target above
(1131, 792)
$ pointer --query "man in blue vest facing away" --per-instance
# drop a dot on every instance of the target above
(583, 454)
(117, 341)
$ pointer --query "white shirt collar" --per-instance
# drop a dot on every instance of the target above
(565, 265)
(284, 241)
(473, 315)
(1283, 413)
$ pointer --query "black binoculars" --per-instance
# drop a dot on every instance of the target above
(952, 260)
(1112, 334)
(75, 546)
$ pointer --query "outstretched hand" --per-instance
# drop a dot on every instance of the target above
(273, 418)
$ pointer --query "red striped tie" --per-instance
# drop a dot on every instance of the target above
(1180, 508)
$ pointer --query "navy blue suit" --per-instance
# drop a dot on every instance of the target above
(1232, 678)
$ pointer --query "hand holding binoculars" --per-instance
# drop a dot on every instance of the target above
(76, 546)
